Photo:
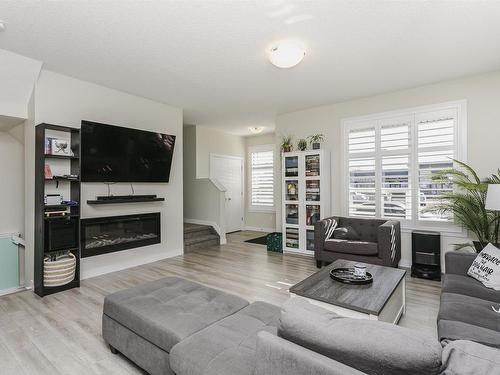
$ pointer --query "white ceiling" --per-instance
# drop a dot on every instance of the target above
(210, 57)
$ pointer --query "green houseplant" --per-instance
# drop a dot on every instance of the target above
(467, 203)
(286, 143)
(315, 140)
(302, 144)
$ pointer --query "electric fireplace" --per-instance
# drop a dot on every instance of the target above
(115, 233)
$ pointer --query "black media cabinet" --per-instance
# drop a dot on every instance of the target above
(426, 255)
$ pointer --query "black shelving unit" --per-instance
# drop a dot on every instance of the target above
(41, 221)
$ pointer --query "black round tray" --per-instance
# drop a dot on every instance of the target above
(346, 276)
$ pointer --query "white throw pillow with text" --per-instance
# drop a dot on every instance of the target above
(486, 267)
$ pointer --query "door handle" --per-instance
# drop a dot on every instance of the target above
(228, 199)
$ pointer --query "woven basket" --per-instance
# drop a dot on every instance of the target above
(60, 271)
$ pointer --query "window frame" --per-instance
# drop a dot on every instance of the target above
(254, 207)
(375, 120)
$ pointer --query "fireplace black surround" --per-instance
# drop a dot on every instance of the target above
(115, 233)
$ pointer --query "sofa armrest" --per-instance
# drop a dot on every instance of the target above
(277, 356)
(458, 263)
(389, 242)
(320, 234)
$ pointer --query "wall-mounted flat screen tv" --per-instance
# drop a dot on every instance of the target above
(116, 154)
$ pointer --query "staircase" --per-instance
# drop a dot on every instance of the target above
(199, 237)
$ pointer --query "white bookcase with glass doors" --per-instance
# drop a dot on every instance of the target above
(305, 197)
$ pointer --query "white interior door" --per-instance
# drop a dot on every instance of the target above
(228, 170)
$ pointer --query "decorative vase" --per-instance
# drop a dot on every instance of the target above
(316, 146)
(287, 148)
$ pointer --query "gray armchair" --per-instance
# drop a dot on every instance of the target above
(379, 242)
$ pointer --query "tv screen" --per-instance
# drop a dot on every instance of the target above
(115, 154)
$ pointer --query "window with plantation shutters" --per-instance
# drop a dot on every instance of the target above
(262, 178)
(390, 159)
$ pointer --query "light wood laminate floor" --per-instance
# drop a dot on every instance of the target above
(61, 334)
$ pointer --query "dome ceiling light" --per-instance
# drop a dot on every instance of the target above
(286, 54)
(256, 129)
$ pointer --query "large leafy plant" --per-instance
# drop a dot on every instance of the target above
(467, 201)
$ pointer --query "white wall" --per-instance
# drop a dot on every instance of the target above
(17, 76)
(66, 101)
(254, 220)
(11, 184)
(212, 141)
(482, 93)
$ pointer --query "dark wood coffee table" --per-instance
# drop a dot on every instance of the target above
(384, 299)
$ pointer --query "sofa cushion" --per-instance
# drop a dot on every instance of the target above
(276, 356)
(469, 358)
(226, 347)
(449, 330)
(370, 346)
(466, 285)
(168, 310)
(346, 233)
(351, 247)
(471, 310)
(367, 229)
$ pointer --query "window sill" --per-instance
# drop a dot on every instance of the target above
(443, 230)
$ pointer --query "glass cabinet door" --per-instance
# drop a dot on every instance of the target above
(313, 191)
(292, 190)
(292, 213)
(292, 238)
(313, 214)
(312, 166)
(310, 239)
(291, 166)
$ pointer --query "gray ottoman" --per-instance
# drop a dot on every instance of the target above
(145, 322)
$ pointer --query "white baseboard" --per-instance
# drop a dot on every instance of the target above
(103, 264)
(257, 229)
(13, 290)
(404, 264)
(213, 224)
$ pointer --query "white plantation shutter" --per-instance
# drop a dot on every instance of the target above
(262, 178)
(362, 176)
(389, 162)
(395, 151)
(436, 147)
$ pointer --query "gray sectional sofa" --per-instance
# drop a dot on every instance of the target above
(175, 326)
(466, 305)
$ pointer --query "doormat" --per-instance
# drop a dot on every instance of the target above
(259, 240)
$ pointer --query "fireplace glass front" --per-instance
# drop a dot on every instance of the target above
(108, 234)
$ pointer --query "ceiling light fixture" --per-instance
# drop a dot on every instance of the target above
(256, 129)
(2, 26)
(286, 54)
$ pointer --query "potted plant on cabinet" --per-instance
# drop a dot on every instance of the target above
(286, 143)
(467, 203)
(302, 144)
(315, 140)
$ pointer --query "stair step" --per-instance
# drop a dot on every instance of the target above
(195, 228)
(202, 245)
(200, 239)
(199, 233)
